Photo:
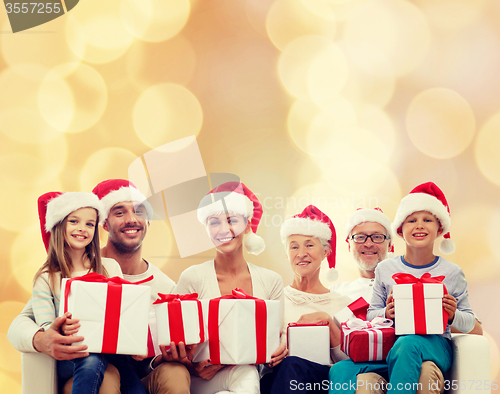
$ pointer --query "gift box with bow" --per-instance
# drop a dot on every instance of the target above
(179, 318)
(113, 312)
(367, 340)
(356, 309)
(309, 341)
(418, 304)
(241, 329)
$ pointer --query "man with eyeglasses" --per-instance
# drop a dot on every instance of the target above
(369, 235)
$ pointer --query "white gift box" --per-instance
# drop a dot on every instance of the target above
(356, 309)
(311, 342)
(428, 318)
(233, 336)
(180, 328)
(120, 316)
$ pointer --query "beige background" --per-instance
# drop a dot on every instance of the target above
(339, 103)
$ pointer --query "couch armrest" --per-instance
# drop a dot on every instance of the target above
(39, 374)
(470, 371)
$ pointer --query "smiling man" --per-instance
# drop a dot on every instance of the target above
(369, 235)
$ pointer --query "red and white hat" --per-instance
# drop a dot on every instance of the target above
(113, 191)
(427, 197)
(53, 207)
(235, 197)
(314, 223)
(375, 215)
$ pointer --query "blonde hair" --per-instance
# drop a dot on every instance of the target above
(58, 259)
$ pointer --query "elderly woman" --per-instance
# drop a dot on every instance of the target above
(309, 237)
(231, 214)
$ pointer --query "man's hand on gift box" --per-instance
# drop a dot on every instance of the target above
(389, 308)
(52, 343)
(450, 306)
(70, 326)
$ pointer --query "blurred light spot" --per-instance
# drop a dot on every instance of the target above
(396, 27)
(108, 163)
(382, 132)
(158, 245)
(487, 148)
(472, 247)
(72, 99)
(452, 14)
(43, 50)
(440, 123)
(155, 20)
(97, 37)
(165, 113)
(371, 77)
(20, 119)
(25, 261)
(494, 231)
(313, 67)
(288, 20)
(8, 310)
(256, 12)
(150, 64)
(336, 114)
(26, 174)
(8, 384)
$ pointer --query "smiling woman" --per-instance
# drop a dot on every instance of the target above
(231, 214)
(309, 237)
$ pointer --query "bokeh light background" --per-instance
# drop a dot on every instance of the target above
(339, 103)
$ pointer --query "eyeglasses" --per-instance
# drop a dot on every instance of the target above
(376, 238)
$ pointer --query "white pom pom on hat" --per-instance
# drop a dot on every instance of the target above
(427, 197)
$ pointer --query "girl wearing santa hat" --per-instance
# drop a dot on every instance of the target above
(309, 238)
(69, 225)
(231, 214)
(422, 217)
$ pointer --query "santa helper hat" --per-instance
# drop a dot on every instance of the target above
(113, 191)
(53, 207)
(312, 222)
(235, 197)
(375, 215)
(427, 197)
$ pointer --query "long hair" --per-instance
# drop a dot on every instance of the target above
(58, 258)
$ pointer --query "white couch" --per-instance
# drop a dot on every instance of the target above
(469, 373)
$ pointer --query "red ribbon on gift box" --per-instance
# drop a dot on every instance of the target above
(113, 305)
(418, 297)
(359, 308)
(175, 322)
(260, 325)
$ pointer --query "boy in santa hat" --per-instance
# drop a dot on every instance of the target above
(421, 218)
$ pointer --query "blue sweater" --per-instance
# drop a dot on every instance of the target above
(454, 281)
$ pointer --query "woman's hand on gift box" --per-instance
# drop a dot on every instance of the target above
(180, 353)
(278, 355)
(205, 370)
(450, 306)
(389, 307)
(70, 326)
(323, 318)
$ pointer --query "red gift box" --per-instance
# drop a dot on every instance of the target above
(418, 304)
(367, 341)
(179, 318)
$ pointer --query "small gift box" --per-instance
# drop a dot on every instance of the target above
(367, 340)
(241, 330)
(179, 318)
(356, 309)
(418, 304)
(113, 312)
(309, 341)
